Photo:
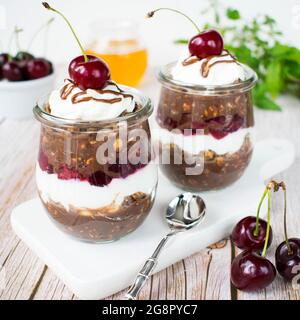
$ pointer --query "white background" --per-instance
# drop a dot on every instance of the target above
(157, 33)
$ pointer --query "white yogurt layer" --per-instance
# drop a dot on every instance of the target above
(219, 74)
(194, 144)
(92, 110)
(81, 194)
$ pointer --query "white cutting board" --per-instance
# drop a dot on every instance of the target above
(94, 271)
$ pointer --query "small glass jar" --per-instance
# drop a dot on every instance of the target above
(205, 132)
(118, 42)
(96, 179)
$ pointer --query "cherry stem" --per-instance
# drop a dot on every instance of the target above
(151, 14)
(47, 6)
(44, 26)
(268, 224)
(290, 251)
(13, 34)
(258, 211)
(17, 31)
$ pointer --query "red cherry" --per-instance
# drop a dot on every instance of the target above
(12, 72)
(99, 178)
(43, 162)
(205, 44)
(92, 74)
(88, 72)
(4, 57)
(243, 234)
(220, 120)
(66, 173)
(37, 68)
(235, 124)
(202, 45)
(288, 263)
(250, 271)
(218, 134)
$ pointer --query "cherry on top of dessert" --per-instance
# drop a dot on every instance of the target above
(87, 71)
(202, 45)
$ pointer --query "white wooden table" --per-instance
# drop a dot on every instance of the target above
(205, 275)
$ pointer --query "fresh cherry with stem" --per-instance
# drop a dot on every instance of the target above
(287, 256)
(250, 270)
(250, 232)
(202, 45)
(88, 72)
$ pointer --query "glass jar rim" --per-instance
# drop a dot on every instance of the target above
(143, 113)
(165, 77)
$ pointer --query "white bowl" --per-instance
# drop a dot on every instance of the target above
(17, 99)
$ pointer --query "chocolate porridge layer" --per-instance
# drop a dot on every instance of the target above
(219, 171)
(102, 224)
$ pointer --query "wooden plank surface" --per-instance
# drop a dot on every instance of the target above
(206, 275)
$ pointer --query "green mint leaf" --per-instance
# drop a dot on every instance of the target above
(266, 103)
(233, 14)
(273, 78)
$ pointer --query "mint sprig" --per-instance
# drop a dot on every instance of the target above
(257, 42)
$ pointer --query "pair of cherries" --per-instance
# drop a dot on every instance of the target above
(90, 72)
(250, 270)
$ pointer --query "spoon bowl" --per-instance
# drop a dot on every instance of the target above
(185, 211)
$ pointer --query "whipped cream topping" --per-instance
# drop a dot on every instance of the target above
(70, 102)
(215, 70)
(195, 144)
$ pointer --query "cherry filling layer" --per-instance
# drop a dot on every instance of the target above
(98, 178)
(219, 127)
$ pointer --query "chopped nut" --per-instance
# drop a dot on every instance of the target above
(209, 155)
(220, 161)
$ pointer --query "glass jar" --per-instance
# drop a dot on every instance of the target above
(118, 42)
(205, 132)
(97, 180)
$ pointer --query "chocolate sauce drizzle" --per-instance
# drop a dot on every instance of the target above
(206, 65)
(83, 97)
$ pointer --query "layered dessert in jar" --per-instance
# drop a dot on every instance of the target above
(94, 172)
(205, 116)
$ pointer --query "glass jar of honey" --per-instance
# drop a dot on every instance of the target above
(118, 43)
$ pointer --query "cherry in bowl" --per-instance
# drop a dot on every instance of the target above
(37, 68)
(12, 71)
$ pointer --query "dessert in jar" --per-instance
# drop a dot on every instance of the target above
(205, 116)
(90, 174)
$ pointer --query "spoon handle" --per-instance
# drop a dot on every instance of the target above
(146, 270)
